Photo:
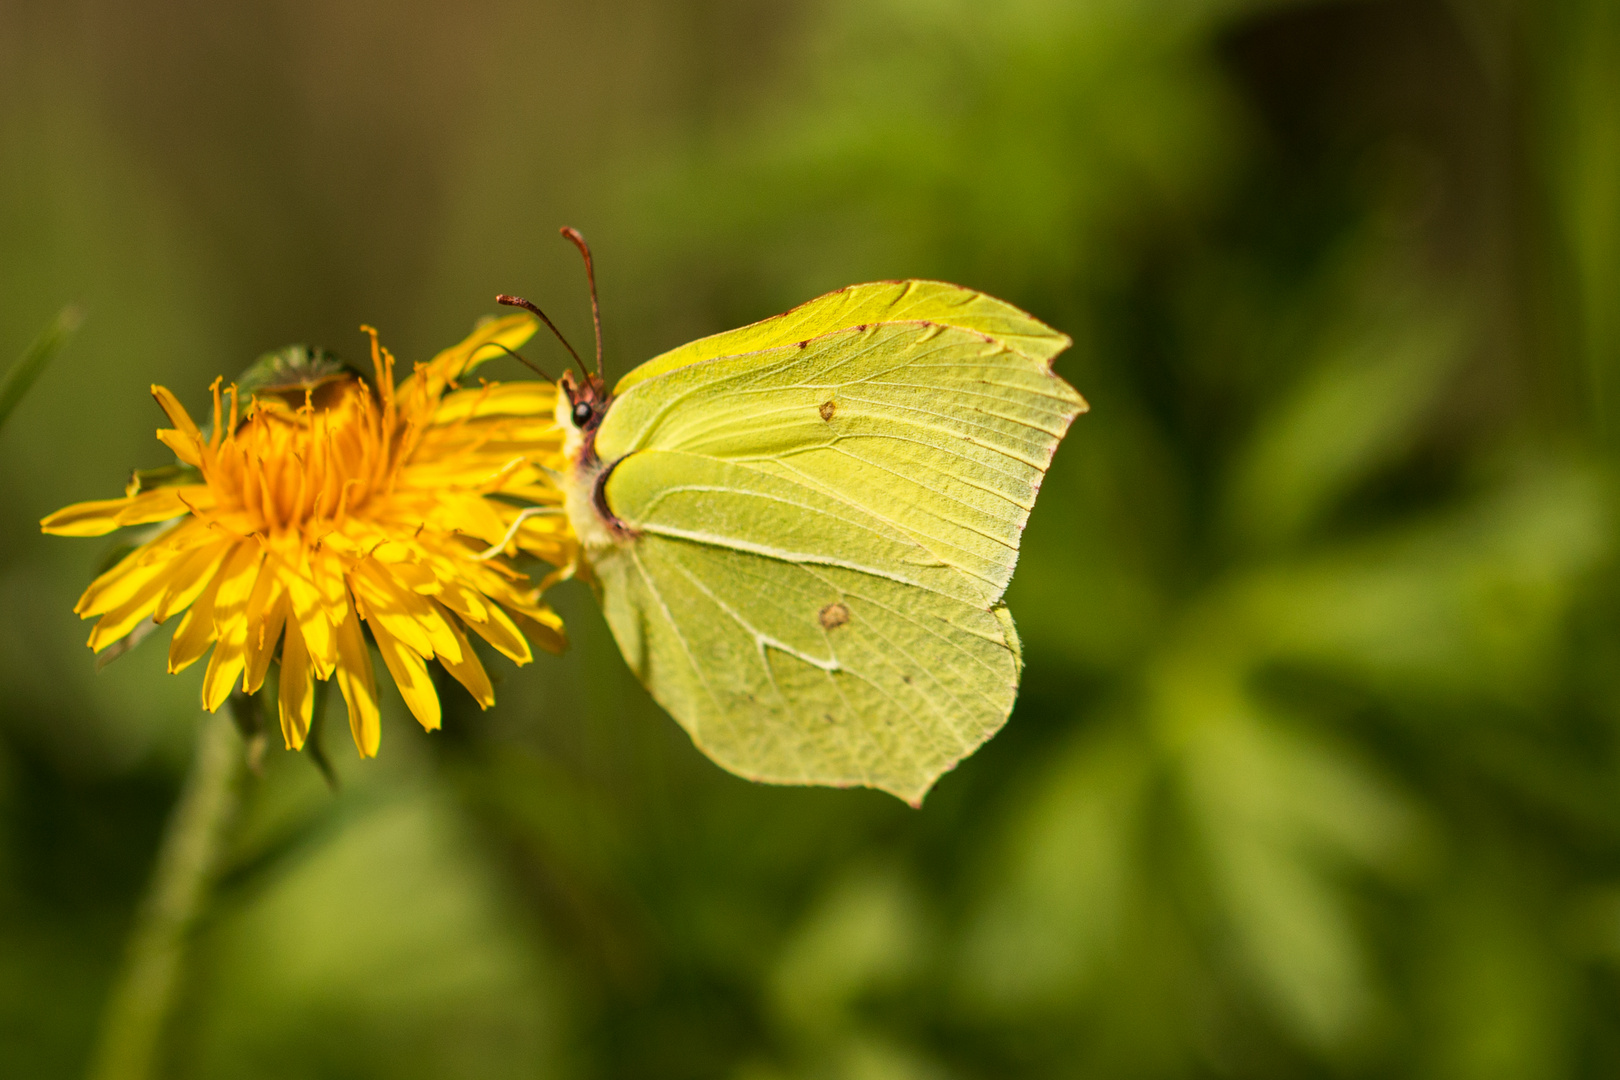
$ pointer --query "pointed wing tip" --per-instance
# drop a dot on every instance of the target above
(912, 794)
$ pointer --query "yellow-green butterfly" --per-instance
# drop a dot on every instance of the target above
(800, 531)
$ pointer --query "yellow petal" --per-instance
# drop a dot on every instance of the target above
(523, 398)
(161, 504)
(192, 578)
(465, 601)
(296, 695)
(396, 607)
(195, 632)
(502, 591)
(415, 576)
(104, 515)
(176, 412)
(499, 631)
(266, 615)
(412, 618)
(410, 675)
(327, 572)
(238, 584)
(461, 596)
(186, 447)
(468, 671)
(358, 683)
(511, 331)
(544, 628)
(85, 519)
(309, 612)
(121, 620)
(223, 668)
(132, 574)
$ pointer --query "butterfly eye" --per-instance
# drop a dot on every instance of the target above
(582, 413)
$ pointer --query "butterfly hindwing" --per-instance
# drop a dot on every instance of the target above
(819, 531)
(809, 674)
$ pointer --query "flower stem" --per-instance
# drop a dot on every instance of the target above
(194, 843)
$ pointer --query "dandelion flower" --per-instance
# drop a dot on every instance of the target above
(310, 509)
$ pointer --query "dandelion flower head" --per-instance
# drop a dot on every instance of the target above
(309, 511)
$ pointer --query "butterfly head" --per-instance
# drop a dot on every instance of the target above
(581, 404)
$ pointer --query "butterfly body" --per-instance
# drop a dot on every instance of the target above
(800, 531)
(580, 409)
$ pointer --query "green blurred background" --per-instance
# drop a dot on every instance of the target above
(1316, 767)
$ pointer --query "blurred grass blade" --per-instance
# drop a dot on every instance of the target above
(45, 347)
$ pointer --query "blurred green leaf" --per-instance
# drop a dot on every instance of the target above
(21, 375)
(1274, 818)
(385, 949)
(1055, 908)
(1500, 992)
(868, 932)
(1358, 409)
(1471, 604)
(1576, 88)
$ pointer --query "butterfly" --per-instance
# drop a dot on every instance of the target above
(800, 531)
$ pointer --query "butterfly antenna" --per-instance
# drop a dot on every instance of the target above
(519, 302)
(590, 276)
(524, 360)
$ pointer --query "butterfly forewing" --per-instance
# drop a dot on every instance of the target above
(933, 430)
(938, 302)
